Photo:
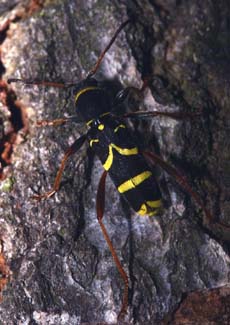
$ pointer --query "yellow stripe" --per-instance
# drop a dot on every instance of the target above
(106, 113)
(109, 160)
(125, 151)
(83, 91)
(89, 122)
(133, 182)
(118, 127)
(92, 141)
(154, 204)
(146, 208)
(121, 151)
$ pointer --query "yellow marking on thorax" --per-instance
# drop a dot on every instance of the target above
(93, 141)
(84, 90)
(118, 127)
(121, 151)
(101, 127)
(89, 122)
(134, 181)
(150, 208)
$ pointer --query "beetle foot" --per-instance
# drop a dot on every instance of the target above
(43, 196)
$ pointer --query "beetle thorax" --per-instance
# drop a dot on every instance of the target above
(91, 101)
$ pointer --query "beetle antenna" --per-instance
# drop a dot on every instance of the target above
(40, 83)
(68, 85)
(96, 66)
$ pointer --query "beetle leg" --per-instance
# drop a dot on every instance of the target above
(174, 115)
(180, 179)
(58, 122)
(100, 211)
(70, 151)
(225, 229)
(139, 92)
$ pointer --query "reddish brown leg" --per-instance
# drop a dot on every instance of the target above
(100, 211)
(180, 179)
(225, 229)
(139, 92)
(174, 115)
(57, 122)
(70, 151)
(39, 83)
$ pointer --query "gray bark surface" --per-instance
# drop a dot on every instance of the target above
(61, 271)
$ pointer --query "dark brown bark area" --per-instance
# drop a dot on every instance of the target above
(203, 307)
(61, 270)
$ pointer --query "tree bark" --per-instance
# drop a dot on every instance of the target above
(60, 269)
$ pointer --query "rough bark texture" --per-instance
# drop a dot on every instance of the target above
(61, 271)
(203, 307)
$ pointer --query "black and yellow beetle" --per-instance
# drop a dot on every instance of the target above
(115, 145)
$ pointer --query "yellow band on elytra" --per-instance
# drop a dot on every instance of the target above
(125, 151)
(150, 208)
(121, 151)
(134, 181)
(109, 160)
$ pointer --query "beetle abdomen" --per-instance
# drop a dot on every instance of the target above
(115, 146)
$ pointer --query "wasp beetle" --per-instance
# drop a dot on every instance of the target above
(112, 141)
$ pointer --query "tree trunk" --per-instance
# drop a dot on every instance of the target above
(54, 257)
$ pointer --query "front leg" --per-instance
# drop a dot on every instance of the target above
(173, 115)
(183, 182)
(139, 94)
(69, 152)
